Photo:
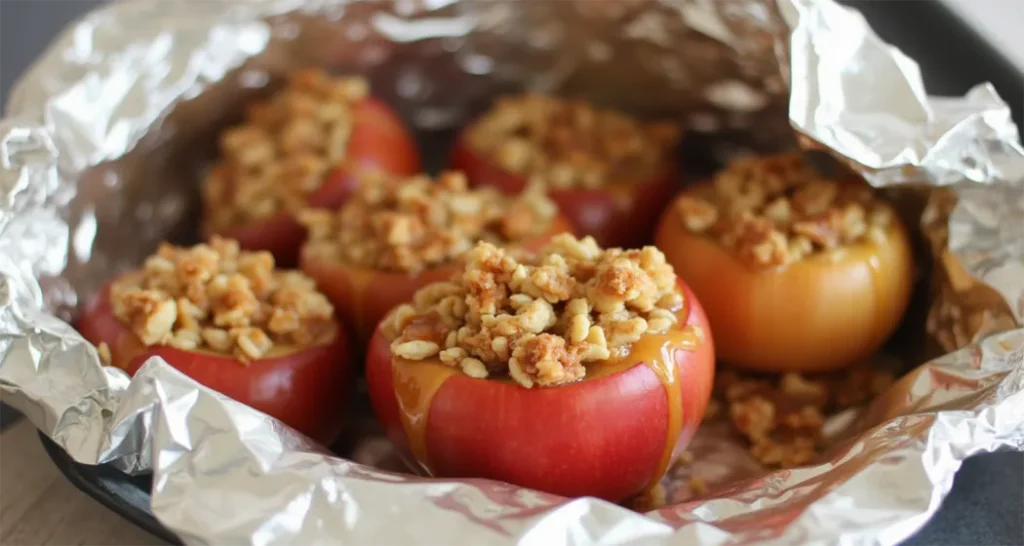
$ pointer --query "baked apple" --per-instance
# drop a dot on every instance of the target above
(576, 370)
(610, 175)
(396, 235)
(797, 272)
(232, 322)
(296, 150)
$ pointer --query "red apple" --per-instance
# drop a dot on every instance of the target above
(306, 388)
(609, 436)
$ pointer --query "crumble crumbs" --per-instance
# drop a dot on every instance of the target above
(540, 318)
(698, 485)
(412, 224)
(649, 499)
(564, 143)
(775, 210)
(280, 155)
(782, 416)
(215, 297)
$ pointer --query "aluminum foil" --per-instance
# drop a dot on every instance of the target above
(103, 139)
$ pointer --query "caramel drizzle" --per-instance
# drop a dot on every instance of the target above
(659, 353)
(416, 382)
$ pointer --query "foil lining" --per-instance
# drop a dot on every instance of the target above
(102, 140)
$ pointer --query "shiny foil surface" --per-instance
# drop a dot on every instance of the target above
(103, 141)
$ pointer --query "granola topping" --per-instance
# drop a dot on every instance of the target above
(215, 297)
(279, 156)
(782, 417)
(539, 319)
(410, 225)
(776, 210)
(569, 143)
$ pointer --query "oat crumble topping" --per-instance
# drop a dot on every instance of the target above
(651, 498)
(782, 417)
(569, 143)
(698, 485)
(539, 318)
(412, 224)
(776, 210)
(281, 153)
(215, 297)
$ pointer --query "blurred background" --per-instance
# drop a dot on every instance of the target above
(994, 26)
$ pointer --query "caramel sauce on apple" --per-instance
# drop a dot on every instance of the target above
(658, 352)
(416, 382)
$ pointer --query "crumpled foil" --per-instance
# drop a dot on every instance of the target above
(104, 137)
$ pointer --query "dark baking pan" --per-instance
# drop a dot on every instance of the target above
(124, 494)
(953, 57)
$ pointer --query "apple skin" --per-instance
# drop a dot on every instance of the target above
(309, 389)
(847, 302)
(603, 438)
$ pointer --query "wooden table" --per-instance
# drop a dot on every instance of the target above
(39, 506)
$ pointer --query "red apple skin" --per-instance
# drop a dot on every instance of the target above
(622, 214)
(379, 141)
(603, 437)
(362, 296)
(309, 390)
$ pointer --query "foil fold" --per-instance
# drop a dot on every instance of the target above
(866, 102)
(128, 90)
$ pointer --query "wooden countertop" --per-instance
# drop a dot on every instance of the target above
(38, 505)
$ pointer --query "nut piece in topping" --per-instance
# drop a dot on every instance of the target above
(563, 143)
(409, 225)
(697, 214)
(281, 153)
(539, 318)
(215, 297)
(776, 210)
